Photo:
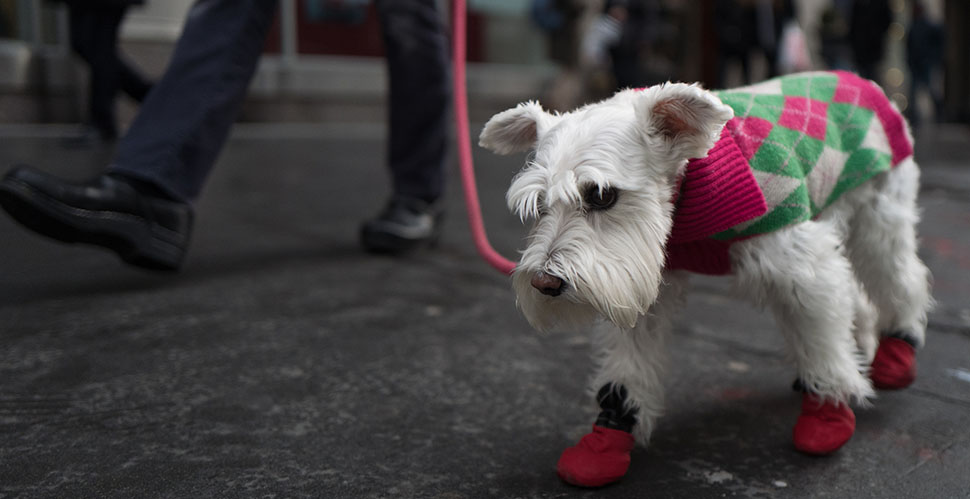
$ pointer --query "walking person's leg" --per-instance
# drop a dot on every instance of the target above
(417, 60)
(83, 25)
(140, 207)
(182, 125)
(131, 80)
(105, 68)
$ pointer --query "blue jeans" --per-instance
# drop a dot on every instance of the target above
(183, 124)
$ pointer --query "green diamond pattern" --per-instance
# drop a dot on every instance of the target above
(794, 153)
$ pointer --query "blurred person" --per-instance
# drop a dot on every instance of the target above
(640, 27)
(793, 53)
(141, 206)
(564, 22)
(771, 18)
(834, 35)
(924, 55)
(94, 37)
(868, 25)
(638, 42)
(603, 34)
(735, 27)
(6, 28)
(601, 55)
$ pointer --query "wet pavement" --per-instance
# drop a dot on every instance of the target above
(284, 362)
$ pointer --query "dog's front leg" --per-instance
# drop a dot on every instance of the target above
(628, 390)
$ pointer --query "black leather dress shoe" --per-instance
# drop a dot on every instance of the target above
(406, 224)
(144, 230)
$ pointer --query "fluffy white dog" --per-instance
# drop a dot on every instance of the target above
(802, 187)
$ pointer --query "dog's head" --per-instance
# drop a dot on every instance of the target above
(599, 188)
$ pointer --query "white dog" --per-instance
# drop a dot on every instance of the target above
(802, 187)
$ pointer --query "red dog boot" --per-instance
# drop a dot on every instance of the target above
(601, 457)
(822, 427)
(894, 365)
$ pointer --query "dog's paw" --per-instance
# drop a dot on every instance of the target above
(894, 366)
(823, 427)
(600, 458)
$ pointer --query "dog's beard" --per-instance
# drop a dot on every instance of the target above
(611, 263)
(546, 313)
(618, 291)
(578, 306)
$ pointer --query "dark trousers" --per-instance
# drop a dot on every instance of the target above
(183, 124)
(94, 37)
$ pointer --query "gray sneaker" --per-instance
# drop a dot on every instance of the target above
(404, 225)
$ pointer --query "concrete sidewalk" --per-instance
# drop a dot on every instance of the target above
(284, 362)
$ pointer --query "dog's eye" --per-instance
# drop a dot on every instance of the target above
(597, 199)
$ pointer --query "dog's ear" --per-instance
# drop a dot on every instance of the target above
(685, 119)
(515, 130)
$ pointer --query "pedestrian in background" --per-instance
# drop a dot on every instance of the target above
(94, 37)
(772, 18)
(869, 23)
(924, 55)
(834, 35)
(735, 26)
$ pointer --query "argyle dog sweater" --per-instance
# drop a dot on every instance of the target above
(795, 144)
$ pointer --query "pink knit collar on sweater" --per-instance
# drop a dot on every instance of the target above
(716, 193)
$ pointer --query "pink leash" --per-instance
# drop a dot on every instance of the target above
(464, 144)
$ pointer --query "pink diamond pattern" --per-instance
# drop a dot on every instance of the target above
(859, 92)
(849, 89)
(805, 115)
(749, 133)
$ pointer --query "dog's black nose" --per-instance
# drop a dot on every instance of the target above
(547, 284)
